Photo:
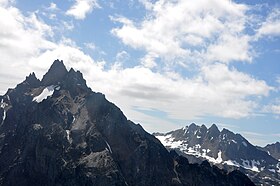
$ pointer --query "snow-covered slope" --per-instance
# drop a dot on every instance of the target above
(48, 91)
(222, 148)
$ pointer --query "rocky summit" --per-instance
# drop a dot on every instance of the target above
(226, 150)
(273, 150)
(57, 131)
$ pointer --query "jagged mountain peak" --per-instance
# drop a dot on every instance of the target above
(55, 74)
(273, 149)
(203, 127)
(193, 126)
(32, 80)
(214, 128)
(228, 132)
(62, 133)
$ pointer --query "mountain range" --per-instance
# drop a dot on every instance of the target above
(226, 150)
(57, 131)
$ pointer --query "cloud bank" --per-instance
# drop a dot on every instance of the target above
(205, 37)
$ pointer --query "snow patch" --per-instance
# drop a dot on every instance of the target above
(185, 129)
(48, 91)
(3, 105)
(219, 159)
(168, 141)
(213, 160)
(252, 167)
(109, 147)
(272, 170)
(233, 141)
(278, 166)
(244, 143)
(245, 164)
(232, 163)
(73, 119)
(37, 127)
(4, 116)
(196, 150)
(68, 136)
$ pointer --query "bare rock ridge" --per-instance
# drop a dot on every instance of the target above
(226, 150)
(57, 131)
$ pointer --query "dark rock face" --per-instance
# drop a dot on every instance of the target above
(205, 171)
(273, 150)
(55, 74)
(59, 132)
(224, 149)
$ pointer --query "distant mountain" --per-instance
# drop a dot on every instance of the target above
(57, 131)
(225, 150)
(273, 150)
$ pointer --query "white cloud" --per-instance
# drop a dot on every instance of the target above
(230, 48)
(273, 108)
(21, 38)
(216, 90)
(52, 6)
(205, 35)
(189, 31)
(271, 26)
(82, 7)
(278, 79)
(90, 46)
(5, 3)
(149, 60)
(122, 56)
(184, 99)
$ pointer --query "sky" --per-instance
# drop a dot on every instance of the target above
(165, 63)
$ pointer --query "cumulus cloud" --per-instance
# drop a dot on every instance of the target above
(203, 35)
(5, 3)
(21, 38)
(217, 89)
(182, 30)
(82, 7)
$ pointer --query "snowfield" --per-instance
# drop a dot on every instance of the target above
(48, 91)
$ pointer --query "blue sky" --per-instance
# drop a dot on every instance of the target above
(165, 63)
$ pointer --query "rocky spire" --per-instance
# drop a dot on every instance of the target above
(32, 80)
(55, 74)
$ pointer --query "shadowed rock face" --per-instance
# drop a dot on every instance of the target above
(59, 132)
(273, 150)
